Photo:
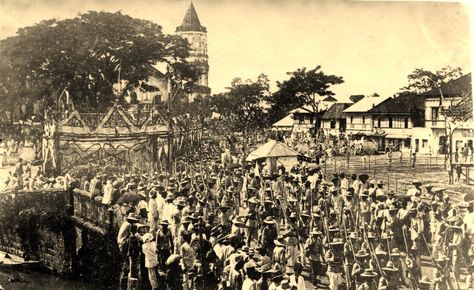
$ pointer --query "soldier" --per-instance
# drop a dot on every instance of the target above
(368, 277)
(164, 242)
(334, 271)
(314, 250)
(268, 235)
(252, 221)
(391, 274)
(279, 255)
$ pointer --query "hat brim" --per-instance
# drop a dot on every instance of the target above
(390, 269)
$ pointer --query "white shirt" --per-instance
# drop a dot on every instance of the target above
(249, 284)
(108, 190)
(151, 257)
(298, 284)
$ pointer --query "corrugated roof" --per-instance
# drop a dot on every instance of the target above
(272, 149)
(284, 122)
(457, 87)
(335, 111)
(404, 104)
(191, 21)
(365, 104)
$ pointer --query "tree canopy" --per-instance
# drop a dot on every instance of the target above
(304, 87)
(240, 108)
(421, 80)
(87, 55)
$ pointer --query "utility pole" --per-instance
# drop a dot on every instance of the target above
(170, 128)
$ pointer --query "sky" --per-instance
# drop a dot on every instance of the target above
(372, 45)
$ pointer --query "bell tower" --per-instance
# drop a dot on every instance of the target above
(196, 34)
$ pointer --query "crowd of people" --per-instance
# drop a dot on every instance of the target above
(216, 226)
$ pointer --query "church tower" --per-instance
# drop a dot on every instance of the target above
(196, 34)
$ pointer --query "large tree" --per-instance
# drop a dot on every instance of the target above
(240, 108)
(87, 55)
(421, 80)
(304, 87)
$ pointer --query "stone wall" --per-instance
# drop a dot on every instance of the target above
(71, 233)
(34, 224)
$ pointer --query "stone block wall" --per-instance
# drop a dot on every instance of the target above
(45, 213)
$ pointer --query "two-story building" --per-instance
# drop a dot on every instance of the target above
(334, 120)
(358, 119)
(306, 118)
(394, 119)
(433, 136)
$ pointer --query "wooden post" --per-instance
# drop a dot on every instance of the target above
(430, 160)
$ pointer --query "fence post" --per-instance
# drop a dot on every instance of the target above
(375, 167)
(369, 164)
(396, 182)
(388, 180)
(430, 160)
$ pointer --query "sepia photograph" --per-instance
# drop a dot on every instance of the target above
(236, 145)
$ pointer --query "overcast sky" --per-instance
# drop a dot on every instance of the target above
(372, 45)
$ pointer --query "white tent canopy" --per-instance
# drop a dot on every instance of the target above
(285, 123)
(272, 149)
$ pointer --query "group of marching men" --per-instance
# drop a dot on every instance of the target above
(212, 227)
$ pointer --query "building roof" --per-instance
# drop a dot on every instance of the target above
(272, 149)
(307, 109)
(191, 21)
(365, 104)
(463, 109)
(335, 111)
(330, 99)
(401, 105)
(285, 122)
(356, 98)
(458, 87)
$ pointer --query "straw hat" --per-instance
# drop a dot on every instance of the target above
(395, 252)
(361, 254)
(316, 232)
(280, 241)
(369, 273)
(132, 218)
(253, 200)
(441, 258)
(380, 252)
(269, 220)
(390, 267)
(416, 182)
(174, 258)
(268, 200)
(336, 242)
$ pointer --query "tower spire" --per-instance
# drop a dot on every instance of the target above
(191, 21)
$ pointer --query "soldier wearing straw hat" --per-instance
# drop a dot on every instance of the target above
(391, 274)
(313, 250)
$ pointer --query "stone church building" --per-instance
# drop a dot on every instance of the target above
(196, 34)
